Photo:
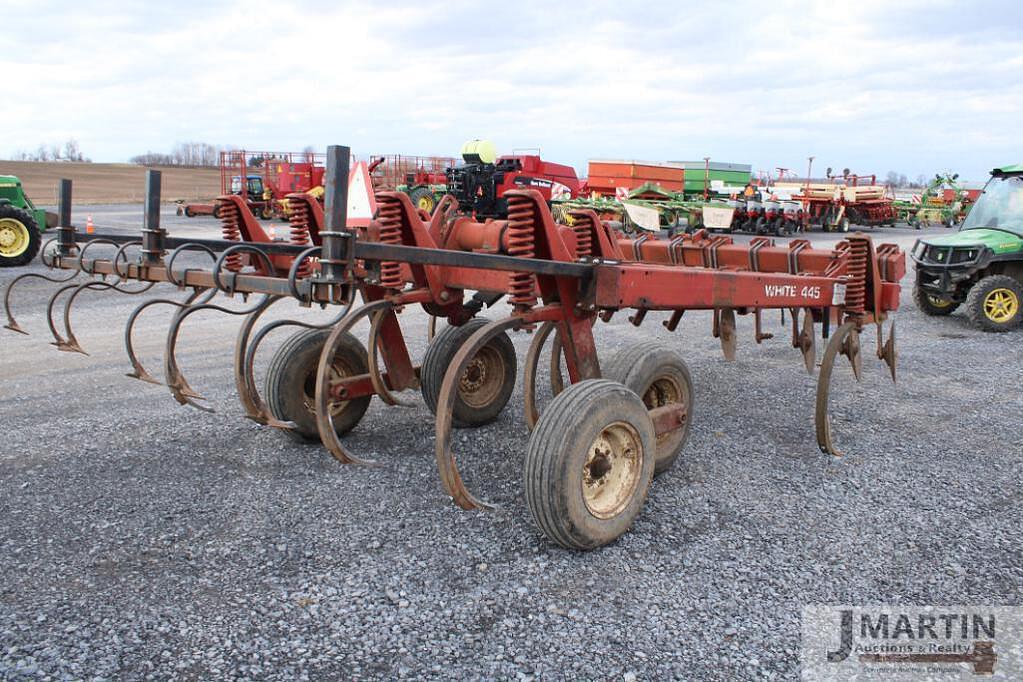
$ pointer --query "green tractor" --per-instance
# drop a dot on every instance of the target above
(21, 224)
(981, 265)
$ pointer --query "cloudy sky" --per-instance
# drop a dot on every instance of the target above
(873, 85)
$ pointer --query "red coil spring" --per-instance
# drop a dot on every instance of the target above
(583, 236)
(390, 222)
(230, 229)
(298, 218)
(521, 243)
(856, 286)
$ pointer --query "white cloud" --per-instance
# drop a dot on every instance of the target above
(914, 88)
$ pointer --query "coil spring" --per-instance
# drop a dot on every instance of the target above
(521, 243)
(230, 229)
(583, 236)
(856, 287)
(390, 233)
(298, 218)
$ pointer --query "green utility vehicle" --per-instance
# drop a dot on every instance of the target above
(20, 224)
(981, 265)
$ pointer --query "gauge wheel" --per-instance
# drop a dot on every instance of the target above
(19, 236)
(291, 382)
(589, 464)
(995, 303)
(485, 386)
(659, 377)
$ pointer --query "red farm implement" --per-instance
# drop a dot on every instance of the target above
(595, 448)
(858, 201)
(263, 179)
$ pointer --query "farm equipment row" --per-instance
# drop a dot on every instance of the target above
(262, 180)
(597, 445)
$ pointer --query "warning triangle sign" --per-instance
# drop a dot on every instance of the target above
(362, 204)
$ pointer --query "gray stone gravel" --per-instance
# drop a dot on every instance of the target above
(144, 539)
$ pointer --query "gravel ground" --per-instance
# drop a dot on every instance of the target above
(144, 539)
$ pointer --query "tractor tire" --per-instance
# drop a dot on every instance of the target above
(589, 464)
(930, 305)
(659, 377)
(189, 213)
(486, 385)
(843, 224)
(291, 382)
(423, 198)
(19, 237)
(995, 303)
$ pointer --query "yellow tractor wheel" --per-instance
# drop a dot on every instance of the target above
(19, 237)
(995, 303)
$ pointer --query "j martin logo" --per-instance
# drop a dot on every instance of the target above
(886, 642)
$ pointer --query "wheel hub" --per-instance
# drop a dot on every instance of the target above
(481, 381)
(1001, 305)
(612, 470)
(14, 237)
(663, 391)
(339, 371)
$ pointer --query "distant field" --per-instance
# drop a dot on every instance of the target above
(109, 183)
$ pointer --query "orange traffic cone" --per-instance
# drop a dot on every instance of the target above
(89, 227)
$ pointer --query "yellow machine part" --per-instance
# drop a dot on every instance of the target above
(479, 151)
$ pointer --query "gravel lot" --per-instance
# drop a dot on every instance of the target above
(144, 539)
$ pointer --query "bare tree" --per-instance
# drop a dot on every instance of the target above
(892, 179)
(71, 150)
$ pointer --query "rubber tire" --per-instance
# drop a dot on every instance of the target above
(636, 368)
(294, 365)
(975, 302)
(923, 302)
(420, 193)
(34, 238)
(557, 454)
(439, 355)
(843, 225)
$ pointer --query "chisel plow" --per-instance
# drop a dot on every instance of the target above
(595, 448)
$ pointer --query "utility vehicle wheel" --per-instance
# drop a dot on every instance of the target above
(19, 236)
(422, 198)
(932, 305)
(485, 386)
(589, 464)
(291, 382)
(659, 377)
(189, 213)
(995, 303)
